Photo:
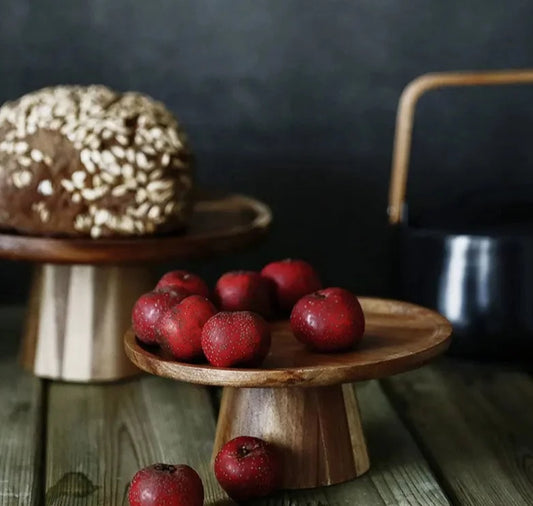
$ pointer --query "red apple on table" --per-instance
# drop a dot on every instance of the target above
(180, 328)
(166, 484)
(194, 284)
(244, 291)
(148, 310)
(248, 467)
(239, 338)
(292, 280)
(328, 320)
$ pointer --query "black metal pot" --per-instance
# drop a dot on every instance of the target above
(482, 284)
(480, 279)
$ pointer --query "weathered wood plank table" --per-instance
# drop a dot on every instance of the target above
(450, 433)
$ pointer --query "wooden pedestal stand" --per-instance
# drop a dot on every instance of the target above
(297, 399)
(83, 290)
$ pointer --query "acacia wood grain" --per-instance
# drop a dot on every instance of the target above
(399, 336)
(399, 474)
(76, 319)
(475, 423)
(21, 416)
(319, 444)
(218, 225)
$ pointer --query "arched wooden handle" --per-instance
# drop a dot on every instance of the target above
(405, 119)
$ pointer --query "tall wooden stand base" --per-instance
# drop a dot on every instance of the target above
(318, 429)
(76, 319)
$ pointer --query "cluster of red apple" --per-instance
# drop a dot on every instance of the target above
(246, 468)
(179, 315)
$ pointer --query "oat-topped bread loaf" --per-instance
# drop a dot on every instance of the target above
(86, 160)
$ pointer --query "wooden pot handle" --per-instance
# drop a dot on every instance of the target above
(405, 119)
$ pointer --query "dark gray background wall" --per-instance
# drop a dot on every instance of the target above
(294, 101)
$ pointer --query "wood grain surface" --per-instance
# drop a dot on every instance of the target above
(319, 442)
(399, 336)
(21, 420)
(100, 435)
(76, 320)
(463, 437)
(475, 424)
(106, 432)
(399, 474)
(218, 225)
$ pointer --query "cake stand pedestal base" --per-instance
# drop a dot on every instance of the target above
(76, 319)
(302, 401)
(318, 429)
(84, 289)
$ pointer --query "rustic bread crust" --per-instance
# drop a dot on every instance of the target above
(88, 161)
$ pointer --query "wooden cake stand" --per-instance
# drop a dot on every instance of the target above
(297, 399)
(83, 290)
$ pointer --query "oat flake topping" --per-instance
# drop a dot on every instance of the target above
(132, 172)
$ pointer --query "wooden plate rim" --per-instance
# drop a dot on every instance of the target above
(139, 249)
(305, 376)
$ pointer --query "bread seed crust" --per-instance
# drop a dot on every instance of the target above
(89, 161)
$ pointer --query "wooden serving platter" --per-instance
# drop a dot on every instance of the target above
(218, 225)
(399, 336)
(297, 400)
(83, 289)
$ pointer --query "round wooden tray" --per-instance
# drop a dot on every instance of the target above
(218, 225)
(297, 399)
(83, 289)
(399, 336)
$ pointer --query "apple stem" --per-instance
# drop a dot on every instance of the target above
(243, 451)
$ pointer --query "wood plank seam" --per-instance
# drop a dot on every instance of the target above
(396, 403)
(473, 423)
